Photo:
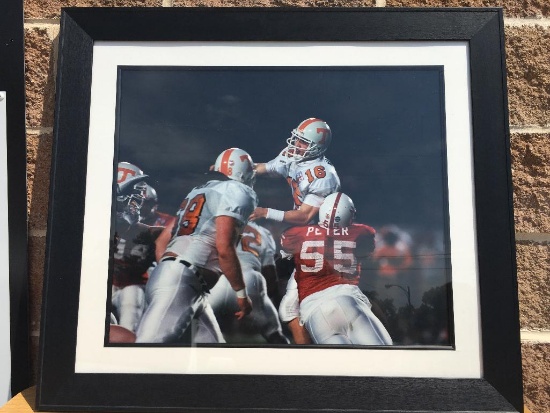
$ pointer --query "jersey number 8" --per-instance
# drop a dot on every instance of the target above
(190, 215)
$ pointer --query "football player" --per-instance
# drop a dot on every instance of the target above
(203, 246)
(328, 259)
(256, 252)
(309, 173)
(311, 177)
(133, 247)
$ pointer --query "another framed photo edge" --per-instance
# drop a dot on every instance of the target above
(498, 386)
(14, 286)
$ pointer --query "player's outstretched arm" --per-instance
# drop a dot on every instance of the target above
(260, 168)
(226, 239)
(301, 216)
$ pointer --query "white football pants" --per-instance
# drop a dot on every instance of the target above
(341, 315)
(262, 320)
(129, 304)
(175, 301)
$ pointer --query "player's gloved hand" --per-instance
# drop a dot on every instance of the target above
(245, 306)
(283, 157)
(285, 255)
(258, 213)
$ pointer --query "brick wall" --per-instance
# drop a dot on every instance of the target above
(527, 29)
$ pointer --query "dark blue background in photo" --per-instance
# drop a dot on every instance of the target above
(388, 143)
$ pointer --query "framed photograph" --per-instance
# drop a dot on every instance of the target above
(281, 209)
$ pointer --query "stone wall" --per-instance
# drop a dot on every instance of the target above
(527, 30)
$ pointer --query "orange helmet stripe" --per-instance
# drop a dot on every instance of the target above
(307, 122)
(224, 165)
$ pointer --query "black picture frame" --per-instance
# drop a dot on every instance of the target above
(500, 388)
(12, 81)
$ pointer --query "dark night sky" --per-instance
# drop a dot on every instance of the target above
(388, 142)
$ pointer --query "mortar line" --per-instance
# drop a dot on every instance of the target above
(40, 131)
(530, 129)
(535, 336)
(527, 21)
(532, 236)
(39, 23)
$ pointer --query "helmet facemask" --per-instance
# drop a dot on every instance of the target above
(300, 149)
(129, 206)
(309, 140)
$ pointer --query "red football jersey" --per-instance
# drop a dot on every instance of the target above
(133, 252)
(158, 219)
(327, 257)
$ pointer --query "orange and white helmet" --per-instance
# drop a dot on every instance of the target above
(236, 164)
(336, 211)
(128, 175)
(310, 139)
(131, 189)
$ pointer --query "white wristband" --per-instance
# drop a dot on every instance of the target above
(241, 293)
(275, 215)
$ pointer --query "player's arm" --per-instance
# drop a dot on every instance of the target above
(163, 239)
(299, 332)
(261, 168)
(226, 239)
(301, 216)
(365, 245)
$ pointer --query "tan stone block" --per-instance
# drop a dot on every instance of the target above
(40, 53)
(512, 8)
(536, 376)
(528, 66)
(533, 263)
(39, 149)
(531, 179)
(275, 3)
(50, 9)
(37, 249)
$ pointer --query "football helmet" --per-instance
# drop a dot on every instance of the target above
(236, 164)
(336, 211)
(131, 190)
(150, 202)
(310, 139)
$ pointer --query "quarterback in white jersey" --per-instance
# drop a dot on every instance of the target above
(308, 172)
(256, 252)
(209, 222)
(311, 177)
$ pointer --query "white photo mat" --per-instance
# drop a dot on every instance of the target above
(91, 354)
(5, 352)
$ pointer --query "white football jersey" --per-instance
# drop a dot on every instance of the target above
(257, 248)
(195, 234)
(311, 181)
